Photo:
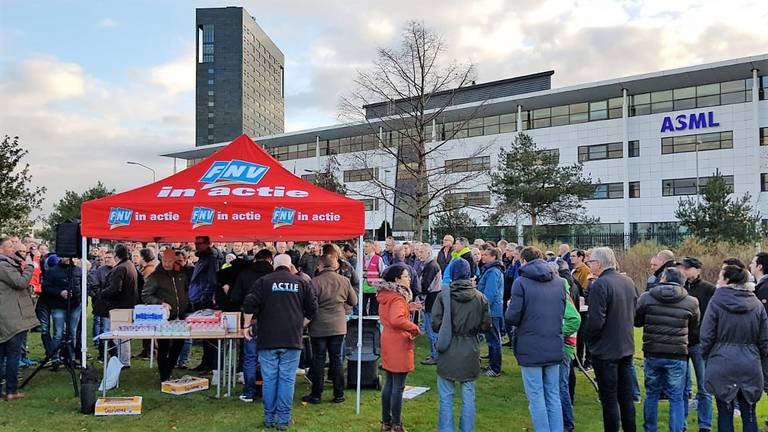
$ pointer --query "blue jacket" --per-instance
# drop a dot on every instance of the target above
(536, 308)
(492, 286)
(204, 282)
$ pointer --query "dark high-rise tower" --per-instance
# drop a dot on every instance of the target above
(239, 77)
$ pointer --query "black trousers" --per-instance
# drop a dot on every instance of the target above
(581, 345)
(168, 351)
(369, 304)
(332, 346)
(614, 381)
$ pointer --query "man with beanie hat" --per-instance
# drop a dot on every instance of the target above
(536, 309)
(465, 315)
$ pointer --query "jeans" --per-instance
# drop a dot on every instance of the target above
(250, 360)
(184, 355)
(725, 414)
(43, 312)
(668, 376)
(636, 395)
(542, 388)
(100, 325)
(614, 380)
(446, 389)
(278, 367)
(392, 397)
(493, 338)
(59, 316)
(703, 398)
(431, 335)
(167, 354)
(331, 344)
(10, 351)
(565, 394)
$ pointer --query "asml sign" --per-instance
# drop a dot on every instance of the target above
(689, 121)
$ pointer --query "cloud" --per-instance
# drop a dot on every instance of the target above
(41, 80)
(107, 23)
(177, 76)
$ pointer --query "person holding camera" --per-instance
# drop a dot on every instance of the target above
(61, 291)
(17, 312)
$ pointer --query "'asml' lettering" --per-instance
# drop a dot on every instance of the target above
(285, 286)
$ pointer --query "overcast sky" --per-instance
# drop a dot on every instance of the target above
(90, 85)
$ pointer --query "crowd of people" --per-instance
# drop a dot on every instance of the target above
(558, 312)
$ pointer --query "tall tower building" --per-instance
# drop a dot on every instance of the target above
(239, 78)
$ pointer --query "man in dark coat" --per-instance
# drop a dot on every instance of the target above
(430, 280)
(97, 281)
(611, 338)
(759, 269)
(61, 291)
(703, 291)
(669, 318)
(444, 254)
(536, 309)
(202, 290)
(122, 293)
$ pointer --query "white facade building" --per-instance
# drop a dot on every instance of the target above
(637, 137)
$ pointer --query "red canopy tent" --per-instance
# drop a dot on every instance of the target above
(239, 193)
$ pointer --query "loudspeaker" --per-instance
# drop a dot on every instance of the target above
(68, 239)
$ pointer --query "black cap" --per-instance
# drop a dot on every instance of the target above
(691, 262)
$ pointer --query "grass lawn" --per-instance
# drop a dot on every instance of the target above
(501, 404)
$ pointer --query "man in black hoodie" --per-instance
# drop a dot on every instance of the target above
(281, 302)
(670, 319)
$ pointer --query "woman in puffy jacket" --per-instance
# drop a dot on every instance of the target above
(734, 340)
(395, 307)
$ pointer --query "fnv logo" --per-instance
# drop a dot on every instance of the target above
(282, 217)
(202, 216)
(222, 173)
(119, 217)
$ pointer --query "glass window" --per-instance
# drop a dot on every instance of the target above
(687, 143)
(634, 148)
(210, 82)
(687, 186)
(598, 110)
(615, 107)
(357, 175)
(764, 182)
(507, 123)
(579, 112)
(480, 163)
(371, 204)
(469, 199)
(600, 151)
(764, 136)
(609, 191)
(634, 189)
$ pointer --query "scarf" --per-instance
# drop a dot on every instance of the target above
(382, 285)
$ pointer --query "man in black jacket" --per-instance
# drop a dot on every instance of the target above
(759, 269)
(282, 302)
(431, 285)
(61, 291)
(167, 286)
(670, 319)
(444, 254)
(97, 281)
(610, 338)
(703, 292)
(122, 293)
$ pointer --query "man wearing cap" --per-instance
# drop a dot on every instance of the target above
(281, 302)
(703, 292)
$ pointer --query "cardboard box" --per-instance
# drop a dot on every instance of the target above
(184, 385)
(114, 406)
(120, 317)
(231, 321)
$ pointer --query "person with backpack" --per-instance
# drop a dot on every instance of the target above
(461, 313)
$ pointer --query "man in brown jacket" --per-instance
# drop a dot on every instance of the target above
(17, 311)
(328, 327)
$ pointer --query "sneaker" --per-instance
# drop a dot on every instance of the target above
(284, 426)
(14, 396)
(246, 399)
(314, 400)
(268, 425)
(181, 366)
(386, 427)
(485, 357)
(338, 399)
(491, 373)
(429, 361)
(398, 428)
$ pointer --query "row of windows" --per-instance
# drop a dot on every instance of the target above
(707, 95)
(363, 174)
(704, 142)
(608, 191)
(572, 114)
(608, 151)
(468, 199)
(490, 125)
(479, 163)
(687, 186)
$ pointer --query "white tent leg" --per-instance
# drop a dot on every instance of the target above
(84, 303)
(359, 318)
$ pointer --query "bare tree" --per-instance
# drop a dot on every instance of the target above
(403, 101)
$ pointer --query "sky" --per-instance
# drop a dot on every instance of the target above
(88, 86)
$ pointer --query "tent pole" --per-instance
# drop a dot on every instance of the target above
(359, 318)
(84, 302)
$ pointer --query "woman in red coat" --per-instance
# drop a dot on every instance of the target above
(394, 297)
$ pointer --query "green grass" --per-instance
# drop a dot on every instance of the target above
(501, 404)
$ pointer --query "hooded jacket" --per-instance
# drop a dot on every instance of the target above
(761, 291)
(204, 281)
(168, 286)
(122, 286)
(470, 315)
(62, 277)
(670, 321)
(97, 281)
(333, 293)
(491, 284)
(536, 308)
(703, 292)
(246, 281)
(399, 331)
(17, 311)
(734, 340)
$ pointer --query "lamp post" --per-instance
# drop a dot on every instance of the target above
(154, 178)
(386, 178)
